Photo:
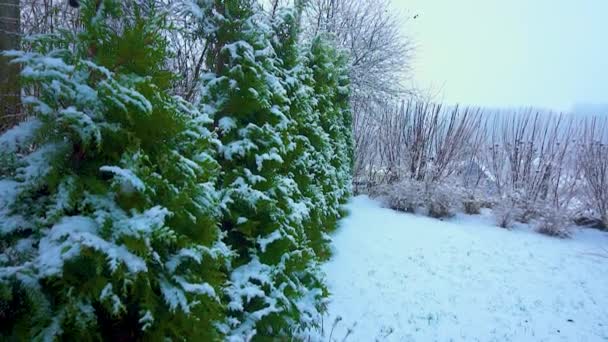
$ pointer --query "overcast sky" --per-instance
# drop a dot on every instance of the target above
(546, 53)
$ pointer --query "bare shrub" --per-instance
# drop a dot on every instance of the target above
(553, 223)
(402, 203)
(473, 199)
(441, 199)
(364, 165)
(531, 155)
(438, 200)
(471, 206)
(534, 162)
(553, 227)
(593, 160)
(439, 207)
(504, 217)
(526, 211)
(409, 140)
(405, 196)
(505, 213)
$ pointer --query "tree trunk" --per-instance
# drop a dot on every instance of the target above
(10, 89)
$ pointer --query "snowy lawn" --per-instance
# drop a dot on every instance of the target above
(401, 277)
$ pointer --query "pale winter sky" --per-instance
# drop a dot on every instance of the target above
(546, 53)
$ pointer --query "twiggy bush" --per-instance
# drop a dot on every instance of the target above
(553, 223)
(406, 196)
(593, 160)
(505, 213)
(473, 201)
(442, 200)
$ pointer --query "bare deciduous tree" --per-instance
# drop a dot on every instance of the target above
(47, 16)
(188, 60)
(371, 33)
(189, 49)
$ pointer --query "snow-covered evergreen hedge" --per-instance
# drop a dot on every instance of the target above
(129, 213)
(282, 118)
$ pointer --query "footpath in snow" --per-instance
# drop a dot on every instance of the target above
(401, 277)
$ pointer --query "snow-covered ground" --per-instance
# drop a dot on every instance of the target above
(401, 277)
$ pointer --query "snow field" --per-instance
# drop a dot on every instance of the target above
(401, 277)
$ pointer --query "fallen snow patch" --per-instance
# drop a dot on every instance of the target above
(401, 277)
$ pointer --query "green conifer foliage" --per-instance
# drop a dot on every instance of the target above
(284, 184)
(108, 206)
(123, 215)
(331, 89)
(303, 159)
(247, 101)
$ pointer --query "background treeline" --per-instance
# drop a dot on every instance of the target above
(529, 166)
(173, 172)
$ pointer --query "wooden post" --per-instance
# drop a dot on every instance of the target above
(10, 89)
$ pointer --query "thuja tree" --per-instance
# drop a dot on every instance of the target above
(108, 207)
(124, 217)
(300, 162)
(320, 159)
(285, 132)
(245, 97)
(332, 140)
